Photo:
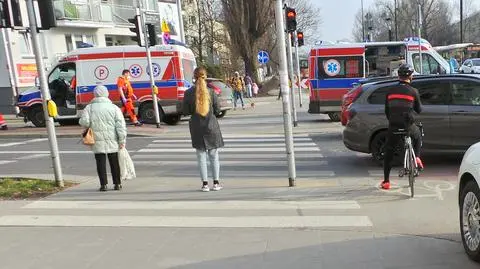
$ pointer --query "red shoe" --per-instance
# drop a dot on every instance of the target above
(385, 185)
(419, 163)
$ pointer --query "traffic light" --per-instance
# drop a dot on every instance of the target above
(291, 19)
(10, 15)
(138, 30)
(46, 10)
(152, 34)
(300, 39)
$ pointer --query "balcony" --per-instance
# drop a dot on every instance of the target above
(92, 14)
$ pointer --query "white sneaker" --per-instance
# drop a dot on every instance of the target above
(205, 188)
(217, 187)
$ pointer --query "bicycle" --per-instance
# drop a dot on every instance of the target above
(410, 166)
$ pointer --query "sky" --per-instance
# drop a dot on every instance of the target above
(338, 16)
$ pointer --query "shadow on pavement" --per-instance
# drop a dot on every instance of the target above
(371, 253)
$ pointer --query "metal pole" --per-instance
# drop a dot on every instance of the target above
(180, 18)
(461, 21)
(12, 73)
(290, 69)
(396, 22)
(150, 68)
(52, 138)
(420, 37)
(284, 89)
(363, 25)
(297, 62)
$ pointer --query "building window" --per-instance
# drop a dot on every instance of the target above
(78, 41)
(192, 20)
(25, 43)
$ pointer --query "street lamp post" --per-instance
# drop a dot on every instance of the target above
(461, 21)
(396, 22)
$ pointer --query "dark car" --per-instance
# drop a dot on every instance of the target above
(224, 93)
(450, 116)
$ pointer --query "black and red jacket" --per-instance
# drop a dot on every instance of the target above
(402, 101)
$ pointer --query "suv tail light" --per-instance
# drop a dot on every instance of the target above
(348, 100)
(216, 89)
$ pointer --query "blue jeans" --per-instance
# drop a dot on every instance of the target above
(237, 95)
(214, 163)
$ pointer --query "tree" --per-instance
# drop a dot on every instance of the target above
(247, 22)
(436, 15)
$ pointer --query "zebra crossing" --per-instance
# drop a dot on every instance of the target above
(259, 156)
(178, 214)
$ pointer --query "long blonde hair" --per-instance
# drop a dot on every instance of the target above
(202, 95)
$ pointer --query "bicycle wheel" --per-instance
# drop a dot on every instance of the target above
(411, 172)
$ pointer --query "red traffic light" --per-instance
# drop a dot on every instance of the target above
(291, 14)
(300, 35)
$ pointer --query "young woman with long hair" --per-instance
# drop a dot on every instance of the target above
(202, 104)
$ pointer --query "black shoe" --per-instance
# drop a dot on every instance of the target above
(4, 127)
(138, 124)
(103, 188)
(117, 187)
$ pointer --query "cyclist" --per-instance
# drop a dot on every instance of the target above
(402, 101)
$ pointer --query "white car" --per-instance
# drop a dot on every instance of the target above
(471, 66)
(469, 201)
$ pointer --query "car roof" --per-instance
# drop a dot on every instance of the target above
(423, 77)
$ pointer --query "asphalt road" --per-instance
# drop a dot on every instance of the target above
(336, 217)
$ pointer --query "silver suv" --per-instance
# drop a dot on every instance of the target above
(450, 116)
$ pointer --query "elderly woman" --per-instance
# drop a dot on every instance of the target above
(110, 132)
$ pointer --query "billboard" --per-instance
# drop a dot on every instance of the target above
(168, 10)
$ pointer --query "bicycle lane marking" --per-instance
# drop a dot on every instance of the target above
(423, 188)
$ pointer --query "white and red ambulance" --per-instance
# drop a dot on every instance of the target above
(336, 68)
(72, 80)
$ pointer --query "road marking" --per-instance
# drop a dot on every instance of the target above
(225, 136)
(47, 152)
(33, 156)
(23, 142)
(6, 162)
(303, 149)
(193, 205)
(254, 145)
(254, 163)
(186, 222)
(252, 156)
(235, 140)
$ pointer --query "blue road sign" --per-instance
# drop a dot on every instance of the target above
(263, 57)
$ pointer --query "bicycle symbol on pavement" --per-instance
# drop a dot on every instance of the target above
(435, 189)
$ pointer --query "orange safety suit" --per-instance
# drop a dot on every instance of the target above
(125, 87)
(3, 123)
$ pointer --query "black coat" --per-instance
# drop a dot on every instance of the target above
(205, 131)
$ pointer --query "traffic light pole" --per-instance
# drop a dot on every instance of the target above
(52, 138)
(153, 87)
(291, 74)
(297, 61)
(284, 89)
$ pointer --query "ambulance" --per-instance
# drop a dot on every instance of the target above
(335, 69)
(72, 80)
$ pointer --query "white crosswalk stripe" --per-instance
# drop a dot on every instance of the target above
(247, 155)
(215, 214)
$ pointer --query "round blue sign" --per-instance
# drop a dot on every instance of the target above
(263, 57)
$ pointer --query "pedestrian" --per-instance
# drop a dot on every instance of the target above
(255, 89)
(248, 85)
(237, 91)
(3, 123)
(203, 105)
(106, 121)
(127, 95)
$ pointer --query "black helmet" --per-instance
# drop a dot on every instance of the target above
(405, 70)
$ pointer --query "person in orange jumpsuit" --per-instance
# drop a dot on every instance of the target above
(126, 96)
(3, 123)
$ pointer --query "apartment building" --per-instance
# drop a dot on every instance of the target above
(80, 23)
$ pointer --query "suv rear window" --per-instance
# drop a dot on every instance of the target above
(378, 96)
(219, 84)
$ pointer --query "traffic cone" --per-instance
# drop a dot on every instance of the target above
(3, 123)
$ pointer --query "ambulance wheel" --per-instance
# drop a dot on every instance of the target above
(172, 119)
(68, 122)
(334, 116)
(35, 115)
(147, 113)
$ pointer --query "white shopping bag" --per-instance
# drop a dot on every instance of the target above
(127, 169)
